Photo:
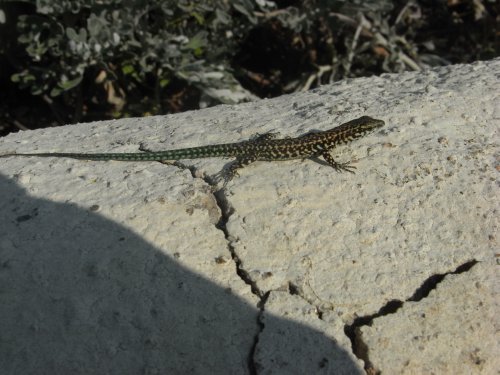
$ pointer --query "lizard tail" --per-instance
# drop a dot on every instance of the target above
(184, 153)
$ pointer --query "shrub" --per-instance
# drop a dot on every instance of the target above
(115, 47)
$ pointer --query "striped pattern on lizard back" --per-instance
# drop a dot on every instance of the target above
(309, 145)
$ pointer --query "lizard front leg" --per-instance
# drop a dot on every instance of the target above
(339, 167)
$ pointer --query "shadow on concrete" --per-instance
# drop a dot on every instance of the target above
(80, 294)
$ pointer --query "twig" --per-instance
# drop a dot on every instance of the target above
(19, 125)
(316, 76)
(350, 55)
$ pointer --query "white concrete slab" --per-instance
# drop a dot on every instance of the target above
(122, 267)
(452, 331)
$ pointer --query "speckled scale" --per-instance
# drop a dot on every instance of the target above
(263, 148)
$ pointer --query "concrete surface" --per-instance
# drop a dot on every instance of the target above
(128, 268)
(431, 341)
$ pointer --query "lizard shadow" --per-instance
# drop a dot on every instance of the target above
(80, 293)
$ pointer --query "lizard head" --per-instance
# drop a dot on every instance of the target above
(357, 128)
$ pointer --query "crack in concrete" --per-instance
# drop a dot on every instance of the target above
(251, 358)
(353, 331)
(226, 211)
(431, 283)
(294, 290)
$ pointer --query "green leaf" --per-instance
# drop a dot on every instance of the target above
(67, 85)
(54, 92)
(199, 18)
(128, 69)
(71, 34)
(164, 82)
(197, 42)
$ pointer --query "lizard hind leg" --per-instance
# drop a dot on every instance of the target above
(339, 167)
(227, 174)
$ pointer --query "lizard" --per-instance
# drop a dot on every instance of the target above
(265, 147)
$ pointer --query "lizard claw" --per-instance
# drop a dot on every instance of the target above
(225, 176)
(341, 167)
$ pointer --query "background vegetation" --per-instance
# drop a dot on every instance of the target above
(67, 61)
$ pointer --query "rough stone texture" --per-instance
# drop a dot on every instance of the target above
(421, 203)
(321, 346)
(121, 267)
(426, 337)
(117, 273)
